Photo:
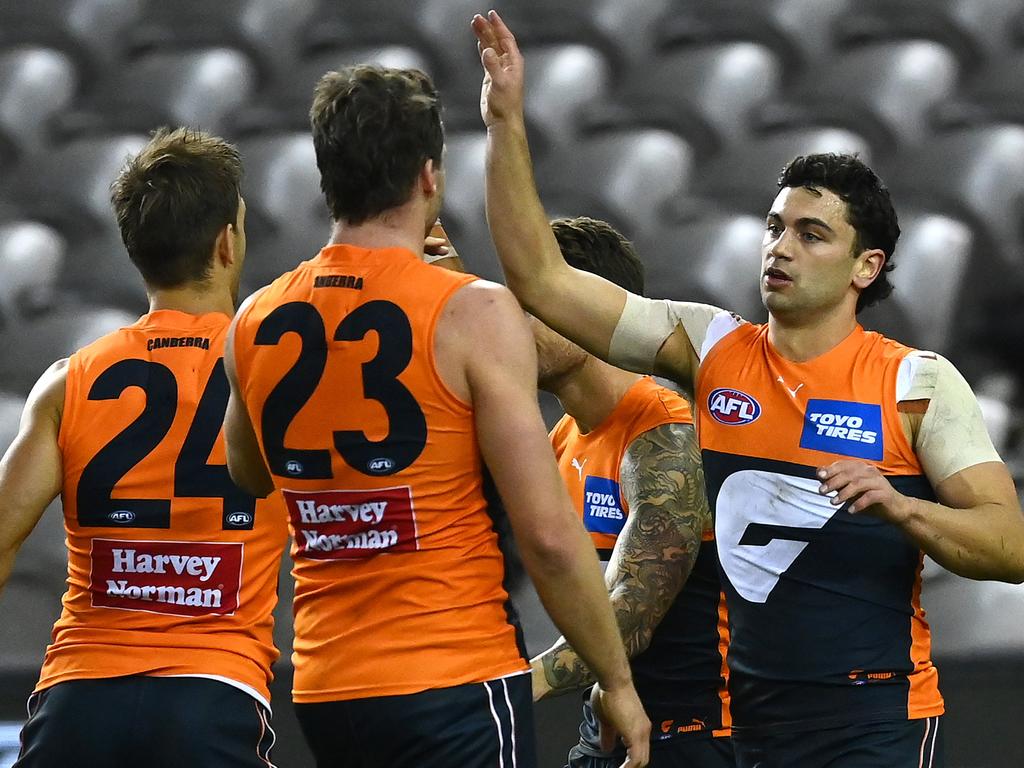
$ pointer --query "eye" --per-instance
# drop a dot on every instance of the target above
(772, 228)
(810, 237)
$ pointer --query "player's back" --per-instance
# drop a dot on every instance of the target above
(397, 566)
(172, 570)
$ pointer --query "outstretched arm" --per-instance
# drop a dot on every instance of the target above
(579, 305)
(662, 481)
(31, 472)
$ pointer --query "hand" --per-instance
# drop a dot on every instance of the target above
(439, 251)
(620, 713)
(501, 96)
(865, 487)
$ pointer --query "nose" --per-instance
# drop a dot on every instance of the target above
(779, 247)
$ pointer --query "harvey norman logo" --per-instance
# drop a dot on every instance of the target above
(182, 578)
(732, 407)
(339, 525)
(843, 427)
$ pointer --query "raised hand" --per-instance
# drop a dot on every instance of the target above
(501, 96)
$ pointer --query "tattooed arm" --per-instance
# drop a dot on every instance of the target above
(662, 481)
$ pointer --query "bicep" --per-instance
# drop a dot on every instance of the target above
(31, 471)
(662, 481)
(988, 483)
(246, 465)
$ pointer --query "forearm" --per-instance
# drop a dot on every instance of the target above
(984, 542)
(564, 671)
(526, 247)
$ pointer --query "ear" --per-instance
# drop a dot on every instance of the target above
(224, 246)
(428, 177)
(869, 266)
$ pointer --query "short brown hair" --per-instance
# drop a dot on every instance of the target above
(172, 199)
(596, 246)
(373, 129)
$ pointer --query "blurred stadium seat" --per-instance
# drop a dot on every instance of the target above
(35, 84)
(976, 170)
(931, 259)
(994, 94)
(266, 30)
(286, 220)
(631, 173)
(746, 175)
(285, 107)
(11, 406)
(714, 258)
(30, 349)
(198, 88)
(91, 31)
(31, 257)
(68, 186)
(884, 90)
(706, 93)
(561, 80)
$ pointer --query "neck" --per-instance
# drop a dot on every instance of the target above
(590, 392)
(803, 339)
(193, 300)
(400, 227)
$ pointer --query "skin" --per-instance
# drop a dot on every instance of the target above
(976, 529)
(484, 352)
(31, 473)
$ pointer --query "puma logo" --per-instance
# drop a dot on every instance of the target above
(792, 392)
(579, 467)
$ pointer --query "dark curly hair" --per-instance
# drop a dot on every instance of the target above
(596, 246)
(373, 129)
(868, 208)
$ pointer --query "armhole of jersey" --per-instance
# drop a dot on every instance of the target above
(241, 361)
(721, 325)
(442, 386)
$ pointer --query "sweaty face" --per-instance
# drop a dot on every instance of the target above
(556, 355)
(807, 254)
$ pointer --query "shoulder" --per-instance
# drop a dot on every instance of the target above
(482, 310)
(47, 395)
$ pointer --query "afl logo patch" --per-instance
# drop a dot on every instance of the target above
(381, 466)
(122, 516)
(732, 407)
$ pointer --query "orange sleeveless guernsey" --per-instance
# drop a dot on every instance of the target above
(397, 567)
(681, 676)
(824, 605)
(172, 570)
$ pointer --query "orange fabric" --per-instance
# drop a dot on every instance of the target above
(397, 566)
(723, 649)
(924, 699)
(599, 453)
(857, 370)
(194, 596)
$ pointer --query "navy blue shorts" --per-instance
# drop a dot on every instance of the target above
(477, 725)
(157, 722)
(896, 744)
(678, 752)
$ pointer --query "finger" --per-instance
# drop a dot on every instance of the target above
(484, 31)
(491, 62)
(504, 35)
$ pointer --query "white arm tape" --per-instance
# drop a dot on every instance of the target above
(952, 436)
(645, 324)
